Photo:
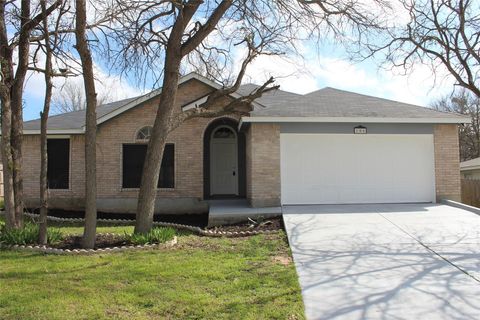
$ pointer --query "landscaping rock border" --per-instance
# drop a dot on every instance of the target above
(57, 251)
(194, 229)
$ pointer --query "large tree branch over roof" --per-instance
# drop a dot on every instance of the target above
(212, 108)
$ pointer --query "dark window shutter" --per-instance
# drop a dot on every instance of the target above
(167, 172)
(58, 169)
(133, 159)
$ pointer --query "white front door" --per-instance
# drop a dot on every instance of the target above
(223, 162)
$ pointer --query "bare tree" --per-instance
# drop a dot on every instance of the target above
(50, 47)
(42, 235)
(71, 97)
(17, 20)
(202, 35)
(83, 49)
(464, 102)
(444, 34)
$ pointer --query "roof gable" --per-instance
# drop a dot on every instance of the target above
(74, 122)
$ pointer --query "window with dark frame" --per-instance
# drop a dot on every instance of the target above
(58, 168)
(133, 159)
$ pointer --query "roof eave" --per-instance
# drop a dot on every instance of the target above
(54, 131)
(469, 168)
(259, 119)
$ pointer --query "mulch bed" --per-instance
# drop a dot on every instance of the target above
(267, 224)
(102, 241)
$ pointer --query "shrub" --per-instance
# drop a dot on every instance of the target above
(28, 235)
(156, 235)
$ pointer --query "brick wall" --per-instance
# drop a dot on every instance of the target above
(263, 165)
(447, 167)
(188, 140)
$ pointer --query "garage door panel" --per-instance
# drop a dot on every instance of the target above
(325, 168)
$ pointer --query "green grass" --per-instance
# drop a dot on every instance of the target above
(200, 278)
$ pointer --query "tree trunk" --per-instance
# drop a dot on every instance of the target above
(175, 51)
(16, 145)
(153, 158)
(7, 162)
(83, 49)
(6, 53)
(17, 109)
(43, 234)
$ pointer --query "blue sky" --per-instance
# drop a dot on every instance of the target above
(327, 67)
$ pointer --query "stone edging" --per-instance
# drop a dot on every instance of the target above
(194, 229)
(51, 250)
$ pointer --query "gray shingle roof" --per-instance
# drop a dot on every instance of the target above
(75, 119)
(327, 102)
(330, 102)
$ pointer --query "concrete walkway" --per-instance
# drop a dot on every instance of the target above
(399, 261)
(231, 211)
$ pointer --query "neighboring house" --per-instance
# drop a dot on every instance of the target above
(326, 147)
(470, 169)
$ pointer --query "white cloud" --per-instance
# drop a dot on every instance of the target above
(116, 87)
(418, 87)
(290, 74)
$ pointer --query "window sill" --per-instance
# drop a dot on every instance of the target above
(138, 189)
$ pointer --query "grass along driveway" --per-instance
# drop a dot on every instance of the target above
(200, 278)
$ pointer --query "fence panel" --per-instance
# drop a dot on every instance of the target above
(471, 192)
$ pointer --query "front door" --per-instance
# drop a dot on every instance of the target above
(223, 162)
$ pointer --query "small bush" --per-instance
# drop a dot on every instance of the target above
(28, 235)
(156, 235)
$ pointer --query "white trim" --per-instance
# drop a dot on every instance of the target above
(457, 120)
(56, 131)
(195, 104)
(199, 101)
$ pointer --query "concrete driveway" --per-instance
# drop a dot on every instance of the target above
(393, 261)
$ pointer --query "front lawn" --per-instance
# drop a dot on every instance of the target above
(200, 278)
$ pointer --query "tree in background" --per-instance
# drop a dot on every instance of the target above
(464, 102)
(71, 97)
(443, 34)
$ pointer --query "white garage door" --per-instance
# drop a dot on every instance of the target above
(347, 168)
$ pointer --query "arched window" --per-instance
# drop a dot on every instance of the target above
(144, 134)
(224, 133)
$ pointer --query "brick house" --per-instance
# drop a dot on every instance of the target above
(329, 146)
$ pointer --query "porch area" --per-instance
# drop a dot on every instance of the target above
(237, 210)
